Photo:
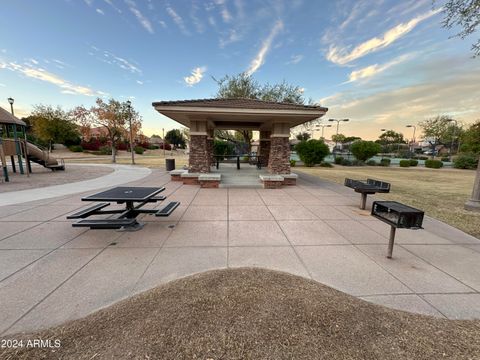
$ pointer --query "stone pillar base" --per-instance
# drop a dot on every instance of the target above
(279, 159)
(199, 160)
(472, 205)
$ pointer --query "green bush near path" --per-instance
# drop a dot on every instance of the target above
(364, 150)
(312, 152)
(404, 163)
(466, 161)
(413, 162)
(433, 164)
(371, 162)
(75, 148)
(385, 162)
(139, 150)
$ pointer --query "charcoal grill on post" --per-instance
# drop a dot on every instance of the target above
(365, 187)
(397, 216)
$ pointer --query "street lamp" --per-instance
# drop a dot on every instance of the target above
(336, 140)
(453, 136)
(323, 126)
(413, 138)
(129, 105)
(11, 101)
(15, 137)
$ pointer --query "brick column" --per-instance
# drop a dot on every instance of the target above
(264, 147)
(279, 159)
(211, 160)
(198, 160)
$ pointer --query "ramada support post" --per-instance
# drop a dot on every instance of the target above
(474, 203)
(279, 158)
(198, 161)
(264, 150)
(211, 159)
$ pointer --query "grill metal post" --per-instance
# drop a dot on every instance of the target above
(363, 201)
(391, 241)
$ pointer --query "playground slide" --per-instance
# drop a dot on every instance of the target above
(42, 157)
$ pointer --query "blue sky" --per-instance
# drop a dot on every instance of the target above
(383, 64)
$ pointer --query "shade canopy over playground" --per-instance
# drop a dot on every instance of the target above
(7, 118)
(272, 119)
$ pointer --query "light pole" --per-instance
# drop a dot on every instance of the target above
(129, 105)
(15, 136)
(413, 139)
(163, 136)
(453, 136)
(336, 140)
(323, 126)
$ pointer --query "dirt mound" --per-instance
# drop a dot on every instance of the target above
(253, 314)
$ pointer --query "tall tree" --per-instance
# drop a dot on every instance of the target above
(114, 116)
(303, 136)
(52, 125)
(464, 14)
(390, 137)
(243, 86)
(175, 137)
(471, 139)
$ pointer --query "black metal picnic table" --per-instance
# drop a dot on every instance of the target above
(252, 158)
(134, 199)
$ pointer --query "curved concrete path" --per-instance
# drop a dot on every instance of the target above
(121, 174)
(51, 272)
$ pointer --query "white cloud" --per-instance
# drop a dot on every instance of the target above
(197, 75)
(2, 85)
(259, 59)
(89, 2)
(177, 19)
(147, 25)
(110, 2)
(343, 56)
(43, 75)
(139, 82)
(112, 59)
(372, 70)
(295, 59)
(100, 11)
(33, 61)
(233, 36)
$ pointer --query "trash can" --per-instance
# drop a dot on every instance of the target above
(170, 164)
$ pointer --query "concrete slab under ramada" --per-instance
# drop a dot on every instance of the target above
(51, 272)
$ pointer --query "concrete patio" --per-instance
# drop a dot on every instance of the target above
(51, 272)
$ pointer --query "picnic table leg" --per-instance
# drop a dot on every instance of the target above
(391, 241)
(238, 162)
(218, 161)
(363, 201)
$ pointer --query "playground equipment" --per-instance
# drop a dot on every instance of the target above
(13, 143)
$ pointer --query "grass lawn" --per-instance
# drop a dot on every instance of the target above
(441, 193)
(253, 314)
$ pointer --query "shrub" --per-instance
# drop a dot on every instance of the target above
(312, 152)
(413, 162)
(422, 157)
(357, 162)
(220, 147)
(466, 161)
(75, 148)
(371, 162)
(433, 164)
(404, 163)
(445, 159)
(139, 150)
(93, 144)
(169, 147)
(326, 164)
(153, 147)
(385, 162)
(364, 150)
(293, 163)
(105, 150)
(339, 159)
(346, 162)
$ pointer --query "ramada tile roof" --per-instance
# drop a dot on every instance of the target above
(239, 103)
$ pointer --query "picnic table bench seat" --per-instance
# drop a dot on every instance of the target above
(105, 223)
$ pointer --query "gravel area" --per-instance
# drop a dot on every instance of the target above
(253, 314)
(42, 177)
